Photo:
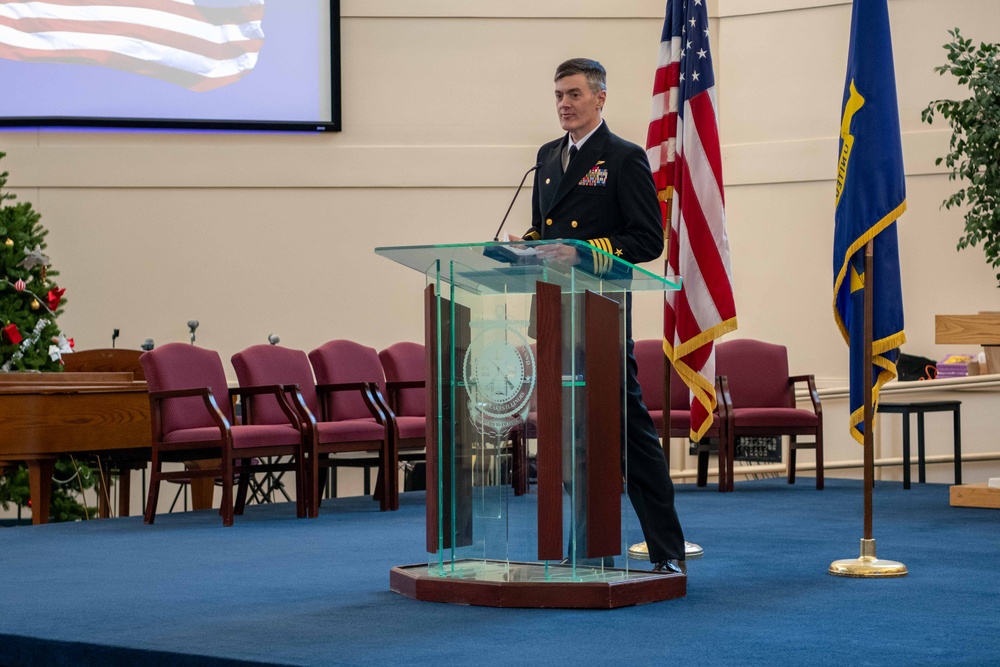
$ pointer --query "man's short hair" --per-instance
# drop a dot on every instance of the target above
(597, 77)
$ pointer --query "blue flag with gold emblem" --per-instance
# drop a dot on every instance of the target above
(870, 197)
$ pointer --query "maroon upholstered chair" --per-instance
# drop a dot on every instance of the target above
(650, 359)
(189, 423)
(761, 396)
(354, 414)
(405, 369)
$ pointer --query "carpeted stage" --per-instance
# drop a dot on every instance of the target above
(277, 590)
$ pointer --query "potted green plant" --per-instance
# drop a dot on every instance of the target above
(974, 157)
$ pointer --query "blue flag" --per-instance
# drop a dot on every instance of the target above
(871, 195)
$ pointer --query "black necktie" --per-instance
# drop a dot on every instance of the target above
(573, 150)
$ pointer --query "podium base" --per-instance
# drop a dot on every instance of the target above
(534, 585)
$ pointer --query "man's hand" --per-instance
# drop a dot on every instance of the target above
(560, 252)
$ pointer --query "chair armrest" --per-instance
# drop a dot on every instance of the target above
(156, 399)
(813, 393)
(280, 393)
(181, 393)
(395, 387)
(404, 384)
(373, 398)
(294, 396)
(723, 399)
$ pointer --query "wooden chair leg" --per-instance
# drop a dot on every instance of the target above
(392, 478)
(702, 479)
(227, 487)
(149, 515)
(724, 477)
(819, 459)
(792, 451)
(730, 461)
(380, 491)
(244, 487)
(300, 485)
(315, 497)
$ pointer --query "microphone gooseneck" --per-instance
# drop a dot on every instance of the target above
(496, 237)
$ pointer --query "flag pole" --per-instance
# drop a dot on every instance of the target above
(868, 564)
(667, 363)
(640, 551)
(691, 550)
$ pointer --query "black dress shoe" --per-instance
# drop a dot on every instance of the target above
(671, 566)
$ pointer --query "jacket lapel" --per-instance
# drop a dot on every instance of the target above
(551, 177)
(592, 150)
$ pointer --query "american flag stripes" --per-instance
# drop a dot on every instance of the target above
(685, 156)
(197, 44)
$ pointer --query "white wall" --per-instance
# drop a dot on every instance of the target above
(445, 102)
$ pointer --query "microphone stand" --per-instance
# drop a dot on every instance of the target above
(502, 253)
(496, 237)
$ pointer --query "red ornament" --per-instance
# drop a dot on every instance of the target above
(12, 335)
(19, 285)
(54, 297)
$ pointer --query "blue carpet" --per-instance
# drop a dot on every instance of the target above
(278, 590)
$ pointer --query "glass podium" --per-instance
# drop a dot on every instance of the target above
(525, 342)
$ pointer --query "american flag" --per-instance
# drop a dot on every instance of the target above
(197, 44)
(684, 154)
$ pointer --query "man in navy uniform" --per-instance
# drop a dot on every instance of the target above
(596, 187)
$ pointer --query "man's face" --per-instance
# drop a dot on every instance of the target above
(578, 107)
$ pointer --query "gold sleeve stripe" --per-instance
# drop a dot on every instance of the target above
(602, 263)
(532, 236)
(606, 246)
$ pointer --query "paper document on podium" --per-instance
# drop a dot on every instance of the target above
(513, 254)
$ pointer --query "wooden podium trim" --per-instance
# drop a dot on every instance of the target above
(415, 582)
(603, 400)
(431, 396)
(449, 495)
(549, 421)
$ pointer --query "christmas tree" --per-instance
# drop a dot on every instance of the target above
(30, 302)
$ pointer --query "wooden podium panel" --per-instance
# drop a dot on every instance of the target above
(550, 429)
(603, 346)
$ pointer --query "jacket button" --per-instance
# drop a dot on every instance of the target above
(547, 181)
(573, 224)
(549, 221)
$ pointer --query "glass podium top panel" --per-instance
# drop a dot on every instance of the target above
(516, 267)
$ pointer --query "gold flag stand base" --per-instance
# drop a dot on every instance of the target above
(867, 565)
(641, 552)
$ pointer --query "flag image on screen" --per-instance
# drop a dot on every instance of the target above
(200, 45)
